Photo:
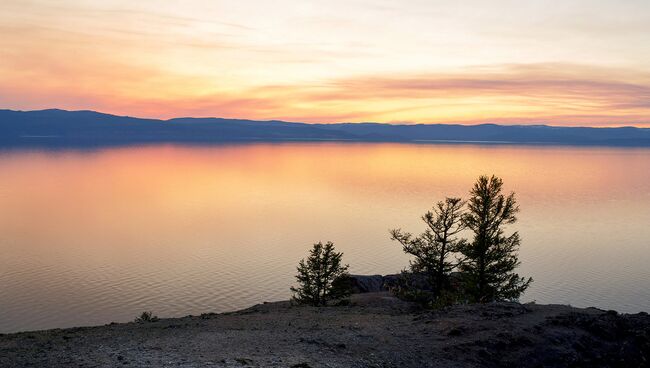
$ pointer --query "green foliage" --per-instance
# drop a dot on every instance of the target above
(491, 258)
(446, 298)
(321, 277)
(433, 249)
(485, 265)
(410, 289)
(146, 317)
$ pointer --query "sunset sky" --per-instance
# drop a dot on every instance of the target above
(579, 62)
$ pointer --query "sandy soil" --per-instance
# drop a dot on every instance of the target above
(376, 330)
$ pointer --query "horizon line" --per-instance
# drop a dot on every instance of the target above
(334, 123)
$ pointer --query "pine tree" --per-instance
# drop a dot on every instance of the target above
(432, 250)
(491, 258)
(321, 277)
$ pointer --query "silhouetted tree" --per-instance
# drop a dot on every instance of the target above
(321, 277)
(491, 258)
(432, 250)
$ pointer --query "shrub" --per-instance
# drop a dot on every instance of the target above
(409, 287)
(321, 277)
(145, 317)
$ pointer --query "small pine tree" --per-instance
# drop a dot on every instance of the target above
(491, 258)
(432, 250)
(321, 277)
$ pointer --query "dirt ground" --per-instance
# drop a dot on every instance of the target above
(376, 330)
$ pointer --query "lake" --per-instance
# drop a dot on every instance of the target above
(93, 236)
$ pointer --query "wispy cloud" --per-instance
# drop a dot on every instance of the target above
(337, 61)
(558, 94)
(555, 92)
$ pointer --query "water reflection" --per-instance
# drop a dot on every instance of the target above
(89, 237)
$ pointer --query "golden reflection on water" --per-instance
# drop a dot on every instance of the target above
(93, 236)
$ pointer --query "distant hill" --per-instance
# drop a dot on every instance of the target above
(54, 128)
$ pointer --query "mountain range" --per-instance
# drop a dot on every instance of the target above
(61, 128)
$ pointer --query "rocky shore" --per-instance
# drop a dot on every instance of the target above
(375, 330)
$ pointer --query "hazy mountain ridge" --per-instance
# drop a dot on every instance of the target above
(88, 128)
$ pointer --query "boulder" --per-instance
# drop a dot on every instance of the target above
(377, 283)
(367, 283)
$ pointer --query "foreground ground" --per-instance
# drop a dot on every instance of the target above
(377, 330)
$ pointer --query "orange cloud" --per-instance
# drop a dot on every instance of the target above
(558, 93)
(320, 65)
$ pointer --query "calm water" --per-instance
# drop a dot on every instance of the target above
(90, 237)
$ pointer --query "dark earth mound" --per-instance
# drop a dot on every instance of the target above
(376, 330)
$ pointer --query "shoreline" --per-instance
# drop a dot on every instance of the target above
(283, 303)
(375, 330)
(363, 284)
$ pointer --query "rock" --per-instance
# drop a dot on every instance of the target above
(391, 281)
(416, 280)
(367, 284)
(378, 283)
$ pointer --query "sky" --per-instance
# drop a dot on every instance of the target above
(579, 62)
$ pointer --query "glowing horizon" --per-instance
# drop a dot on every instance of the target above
(509, 62)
